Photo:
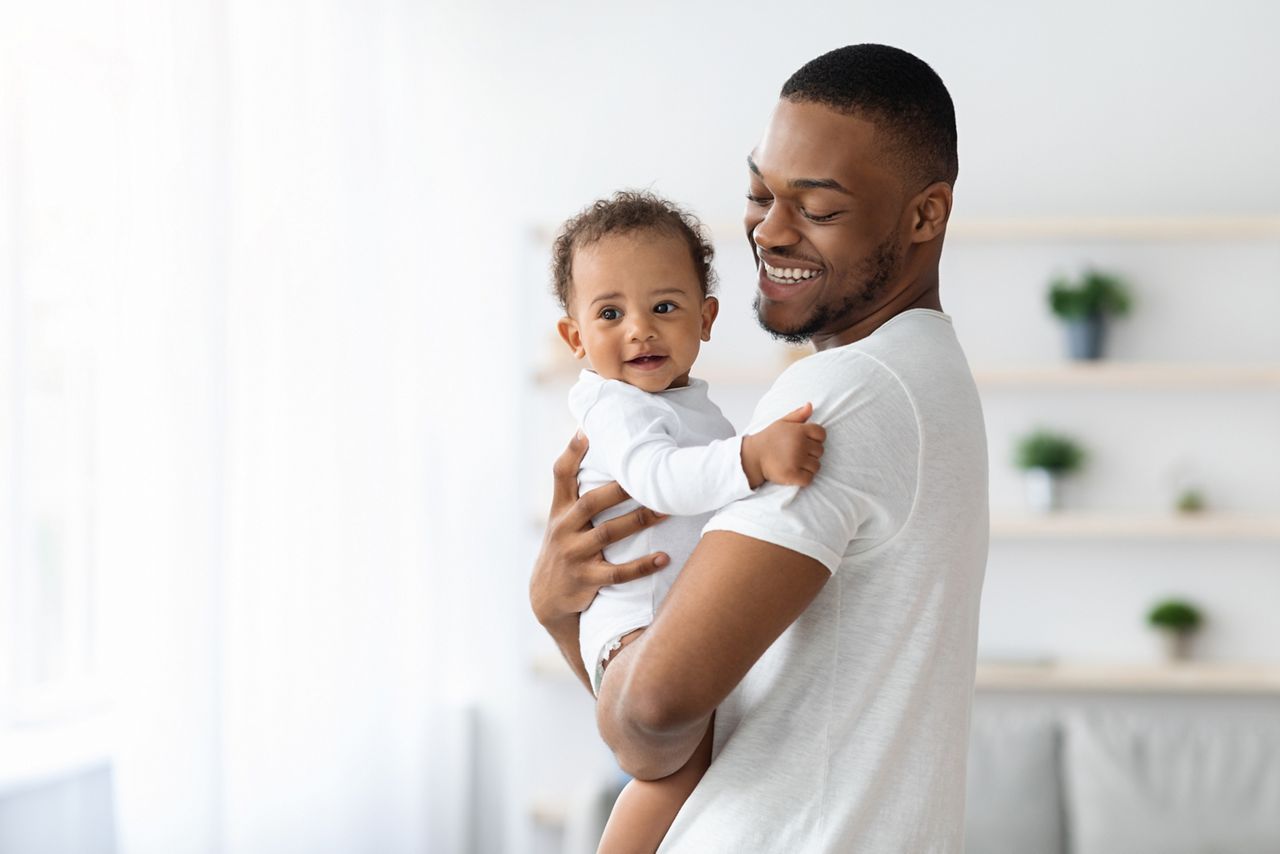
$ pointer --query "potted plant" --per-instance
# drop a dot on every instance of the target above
(1084, 305)
(1190, 501)
(1045, 457)
(1178, 620)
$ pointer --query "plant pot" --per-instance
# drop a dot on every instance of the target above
(1085, 337)
(1043, 493)
(1177, 645)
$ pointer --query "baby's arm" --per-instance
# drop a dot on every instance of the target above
(787, 451)
(635, 434)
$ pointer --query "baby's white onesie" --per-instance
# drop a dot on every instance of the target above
(673, 452)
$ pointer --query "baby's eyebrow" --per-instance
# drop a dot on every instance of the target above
(663, 292)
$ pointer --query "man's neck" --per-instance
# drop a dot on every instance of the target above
(904, 300)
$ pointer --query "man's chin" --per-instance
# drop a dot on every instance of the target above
(782, 328)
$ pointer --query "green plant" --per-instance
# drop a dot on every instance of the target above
(1190, 501)
(1049, 451)
(1175, 615)
(1092, 295)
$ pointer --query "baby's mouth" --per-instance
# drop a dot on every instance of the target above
(647, 362)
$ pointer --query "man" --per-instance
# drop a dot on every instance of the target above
(831, 628)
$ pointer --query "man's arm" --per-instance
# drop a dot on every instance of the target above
(733, 599)
(571, 567)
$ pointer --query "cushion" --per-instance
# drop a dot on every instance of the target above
(1013, 804)
(1139, 783)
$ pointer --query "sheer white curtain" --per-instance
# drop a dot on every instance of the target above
(257, 229)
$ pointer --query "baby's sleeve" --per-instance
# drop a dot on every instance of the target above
(634, 434)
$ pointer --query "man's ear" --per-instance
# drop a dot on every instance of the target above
(931, 210)
(710, 308)
(568, 329)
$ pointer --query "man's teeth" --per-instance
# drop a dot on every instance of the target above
(793, 274)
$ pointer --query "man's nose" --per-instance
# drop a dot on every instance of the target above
(775, 229)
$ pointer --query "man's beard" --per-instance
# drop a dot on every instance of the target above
(875, 272)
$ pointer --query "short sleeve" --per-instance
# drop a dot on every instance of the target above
(866, 489)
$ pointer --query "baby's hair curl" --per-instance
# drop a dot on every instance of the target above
(624, 212)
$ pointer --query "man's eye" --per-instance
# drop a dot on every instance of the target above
(665, 308)
(758, 200)
(610, 314)
(816, 217)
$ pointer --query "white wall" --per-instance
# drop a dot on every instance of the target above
(1088, 108)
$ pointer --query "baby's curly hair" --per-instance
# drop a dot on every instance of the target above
(624, 212)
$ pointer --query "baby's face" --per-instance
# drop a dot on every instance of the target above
(637, 311)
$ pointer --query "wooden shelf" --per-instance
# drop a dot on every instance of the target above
(1129, 375)
(1208, 678)
(1065, 375)
(1201, 526)
(1115, 228)
(1041, 228)
(1184, 678)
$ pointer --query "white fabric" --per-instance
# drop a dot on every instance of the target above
(850, 732)
(672, 451)
(232, 196)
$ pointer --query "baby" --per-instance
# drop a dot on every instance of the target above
(633, 274)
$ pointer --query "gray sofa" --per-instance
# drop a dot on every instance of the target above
(1163, 780)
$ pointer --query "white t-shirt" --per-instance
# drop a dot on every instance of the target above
(672, 451)
(850, 733)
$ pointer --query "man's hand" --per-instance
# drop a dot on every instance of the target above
(571, 567)
(787, 451)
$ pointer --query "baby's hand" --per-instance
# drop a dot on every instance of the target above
(787, 451)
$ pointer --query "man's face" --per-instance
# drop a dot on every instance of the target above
(823, 216)
(636, 309)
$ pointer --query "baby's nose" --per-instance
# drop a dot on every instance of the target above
(642, 330)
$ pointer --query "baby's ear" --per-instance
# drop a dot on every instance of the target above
(710, 308)
(568, 329)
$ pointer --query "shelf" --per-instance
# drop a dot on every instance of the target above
(1129, 375)
(1202, 526)
(1159, 228)
(1115, 228)
(1185, 678)
(1205, 678)
(548, 813)
(1066, 375)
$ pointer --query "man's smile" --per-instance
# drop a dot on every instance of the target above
(786, 279)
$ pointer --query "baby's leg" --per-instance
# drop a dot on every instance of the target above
(644, 811)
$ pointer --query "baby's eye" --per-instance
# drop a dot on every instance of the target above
(610, 314)
(665, 308)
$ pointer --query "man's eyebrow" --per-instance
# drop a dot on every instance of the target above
(804, 183)
(818, 184)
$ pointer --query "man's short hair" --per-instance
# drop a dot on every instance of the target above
(899, 93)
(627, 212)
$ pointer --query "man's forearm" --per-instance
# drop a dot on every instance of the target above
(648, 737)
